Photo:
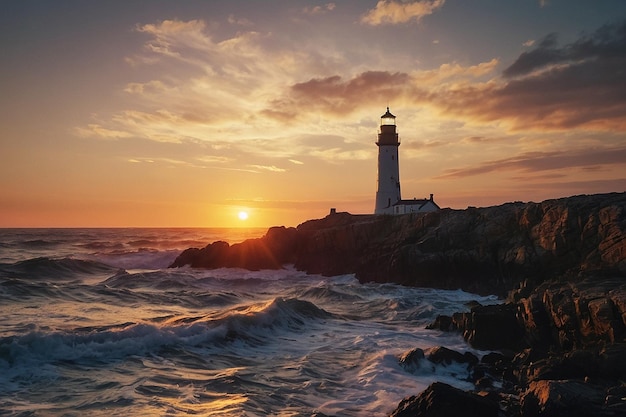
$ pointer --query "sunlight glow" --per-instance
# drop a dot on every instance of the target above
(243, 215)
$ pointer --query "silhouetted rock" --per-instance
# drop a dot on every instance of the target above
(490, 327)
(271, 251)
(443, 400)
(445, 356)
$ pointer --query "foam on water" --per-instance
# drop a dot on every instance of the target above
(80, 335)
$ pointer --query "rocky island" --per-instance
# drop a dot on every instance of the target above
(561, 264)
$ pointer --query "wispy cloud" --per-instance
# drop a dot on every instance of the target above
(394, 12)
(545, 161)
(270, 168)
(98, 131)
(315, 10)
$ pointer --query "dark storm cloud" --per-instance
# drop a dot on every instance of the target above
(581, 85)
(603, 46)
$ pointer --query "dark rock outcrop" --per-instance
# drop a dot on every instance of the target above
(272, 251)
(567, 342)
(443, 400)
(548, 398)
(483, 250)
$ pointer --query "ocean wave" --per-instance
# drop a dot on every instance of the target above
(38, 243)
(141, 258)
(153, 279)
(14, 289)
(82, 345)
(165, 287)
(330, 293)
(102, 344)
(253, 324)
(53, 269)
(101, 245)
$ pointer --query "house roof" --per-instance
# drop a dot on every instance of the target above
(416, 202)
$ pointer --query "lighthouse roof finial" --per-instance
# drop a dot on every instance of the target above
(387, 114)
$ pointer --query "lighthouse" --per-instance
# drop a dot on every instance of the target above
(388, 189)
(388, 199)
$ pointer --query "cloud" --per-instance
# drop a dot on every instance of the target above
(199, 162)
(221, 92)
(580, 85)
(334, 95)
(531, 162)
(331, 148)
(337, 96)
(270, 168)
(239, 21)
(455, 71)
(394, 12)
(313, 10)
(169, 35)
(604, 45)
(98, 131)
(154, 86)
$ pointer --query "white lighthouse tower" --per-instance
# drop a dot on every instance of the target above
(388, 191)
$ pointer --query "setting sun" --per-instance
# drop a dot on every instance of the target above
(243, 215)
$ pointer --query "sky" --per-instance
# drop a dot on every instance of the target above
(187, 113)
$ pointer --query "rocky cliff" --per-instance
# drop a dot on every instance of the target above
(483, 250)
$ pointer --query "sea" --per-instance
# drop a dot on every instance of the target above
(94, 323)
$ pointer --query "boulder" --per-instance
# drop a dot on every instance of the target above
(411, 359)
(443, 400)
(562, 398)
(271, 251)
(444, 356)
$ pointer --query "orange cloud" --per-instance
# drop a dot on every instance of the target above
(393, 12)
(98, 131)
(333, 95)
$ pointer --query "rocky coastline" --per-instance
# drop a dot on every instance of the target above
(559, 340)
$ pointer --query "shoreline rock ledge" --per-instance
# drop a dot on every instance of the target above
(488, 250)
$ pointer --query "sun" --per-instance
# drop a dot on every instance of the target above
(243, 215)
